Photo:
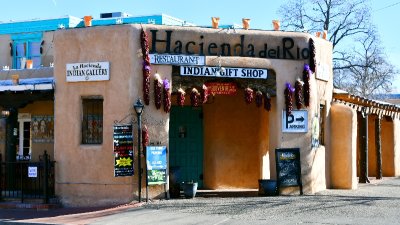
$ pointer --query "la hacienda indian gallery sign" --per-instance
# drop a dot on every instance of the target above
(92, 71)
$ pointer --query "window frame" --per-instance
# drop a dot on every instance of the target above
(97, 112)
(27, 40)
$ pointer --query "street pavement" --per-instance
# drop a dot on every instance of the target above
(374, 203)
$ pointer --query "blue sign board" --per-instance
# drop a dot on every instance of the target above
(156, 161)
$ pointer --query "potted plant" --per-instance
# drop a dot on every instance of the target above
(190, 189)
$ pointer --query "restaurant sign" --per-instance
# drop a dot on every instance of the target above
(169, 59)
(221, 88)
(226, 72)
(92, 71)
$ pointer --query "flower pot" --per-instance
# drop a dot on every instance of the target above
(215, 22)
(190, 189)
(267, 187)
(246, 23)
(88, 21)
(276, 24)
(29, 64)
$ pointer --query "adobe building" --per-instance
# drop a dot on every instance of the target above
(224, 134)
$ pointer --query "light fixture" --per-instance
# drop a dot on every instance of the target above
(5, 113)
(138, 107)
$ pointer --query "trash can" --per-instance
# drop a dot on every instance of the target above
(174, 182)
(267, 187)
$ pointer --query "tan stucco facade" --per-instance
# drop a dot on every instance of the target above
(239, 139)
(343, 169)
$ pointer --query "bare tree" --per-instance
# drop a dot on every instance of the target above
(342, 19)
(365, 70)
(361, 69)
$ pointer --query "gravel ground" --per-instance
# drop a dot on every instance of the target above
(375, 203)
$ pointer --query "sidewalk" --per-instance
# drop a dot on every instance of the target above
(379, 196)
(82, 215)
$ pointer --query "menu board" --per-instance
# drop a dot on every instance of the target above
(156, 161)
(288, 167)
(123, 150)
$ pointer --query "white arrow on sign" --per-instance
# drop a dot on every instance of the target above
(296, 122)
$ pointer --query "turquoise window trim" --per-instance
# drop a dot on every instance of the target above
(27, 39)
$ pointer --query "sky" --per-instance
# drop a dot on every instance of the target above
(385, 14)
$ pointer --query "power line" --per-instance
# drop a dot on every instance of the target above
(387, 6)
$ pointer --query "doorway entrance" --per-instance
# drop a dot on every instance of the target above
(186, 143)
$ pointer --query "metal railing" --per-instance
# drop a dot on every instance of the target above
(27, 180)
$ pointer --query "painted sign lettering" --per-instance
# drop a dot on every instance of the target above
(286, 50)
(168, 59)
(93, 71)
(297, 122)
(206, 71)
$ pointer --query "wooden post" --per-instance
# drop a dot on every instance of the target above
(364, 148)
(378, 131)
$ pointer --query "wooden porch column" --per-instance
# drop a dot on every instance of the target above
(364, 148)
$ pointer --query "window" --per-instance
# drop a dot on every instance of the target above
(321, 124)
(24, 150)
(92, 120)
(27, 47)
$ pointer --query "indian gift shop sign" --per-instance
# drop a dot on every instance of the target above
(221, 88)
(123, 150)
(169, 59)
(156, 161)
(227, 72)
(91, 71)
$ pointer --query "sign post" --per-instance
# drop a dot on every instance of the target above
(296, 122)
(156, 161)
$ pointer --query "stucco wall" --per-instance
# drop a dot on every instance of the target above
(396, 140)
(343, 149)
(388, 150)
(235, 138)
(48, 48)
(5, 57)
(84, 168)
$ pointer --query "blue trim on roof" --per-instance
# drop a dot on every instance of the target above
(38, 25)
(32, 81)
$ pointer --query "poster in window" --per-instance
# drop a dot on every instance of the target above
(123, 150)
(42, 128)
(156, 161)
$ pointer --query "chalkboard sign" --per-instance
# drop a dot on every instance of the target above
(288, 167)
(156, 161)
(123, 150)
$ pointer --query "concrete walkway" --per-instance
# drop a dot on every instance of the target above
(374, 203)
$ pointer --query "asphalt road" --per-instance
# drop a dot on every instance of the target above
(375, 203)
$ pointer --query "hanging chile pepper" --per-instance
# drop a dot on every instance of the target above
(145, 137)
(204, 94)
(180, 100)
(167, 95)
(248, 95)
(158, 84)
(298, 94)
(289, 98)
(195, 97)
(267, 102)
(306, 88)
(146, 66)
(259, 98)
